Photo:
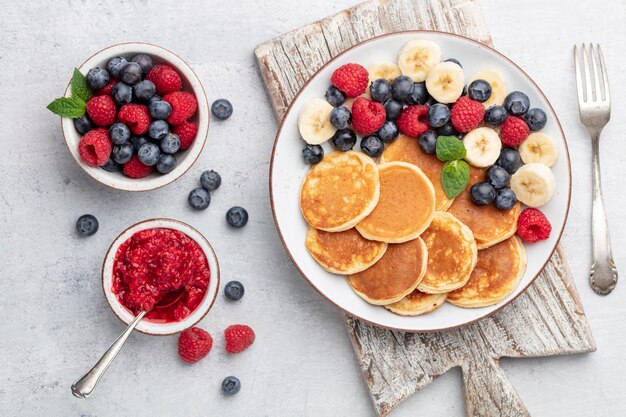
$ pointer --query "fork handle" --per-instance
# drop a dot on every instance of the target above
(603, 276)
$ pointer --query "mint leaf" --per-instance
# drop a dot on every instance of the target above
(71, 107)
(449, 148)
(80, 89)
(454, 177)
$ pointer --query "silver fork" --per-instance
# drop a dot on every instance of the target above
(594, 103)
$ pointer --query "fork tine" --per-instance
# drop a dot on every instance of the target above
(580, 88)
(597, 87)
(605, 76)
(589, 96)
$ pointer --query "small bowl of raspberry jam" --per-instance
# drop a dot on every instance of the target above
(164, 267)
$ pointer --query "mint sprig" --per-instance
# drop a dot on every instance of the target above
(449, 148)
(454, 177)
(74, 106)
(80, 89)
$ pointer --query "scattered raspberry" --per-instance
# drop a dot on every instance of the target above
(136, 117)
(186, 131)
(184, 105)
(367, 116)
(514, 131)
(101, 110)
(238, 338)
(352, 79)
(107, 90)
(532, 225)
(135, 169)
(194, 344)
(165, 78)
(95, 147)
(466, 114)
(412, 120)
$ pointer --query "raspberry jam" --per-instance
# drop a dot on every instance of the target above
(153, 263)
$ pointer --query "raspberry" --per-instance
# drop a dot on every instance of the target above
(352, 79)
(238, 338)
(101, 110)
(95, 147)
(165, 78)
(136, 117)
(514, 131)
(107, 89)
(367, 116)
(532, 225)
(186, 131)
(466, 114)
(194, 344)
(135, 169)
(412, 120)
(184, 105)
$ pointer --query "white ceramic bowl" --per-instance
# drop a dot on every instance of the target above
(146, 326)
(185, 159)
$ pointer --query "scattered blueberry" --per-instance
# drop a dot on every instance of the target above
(144, 90)
(389, 132)
(144, 61)
(505, 199)
(160, 110)
(199, 198)
(137, 141)
(170, 143)
(222, 109)
(115, 65)
(97, 78)
(237, 217)
(149, 154)
(87, 225)
(83, 124)
(380, 90)
(119, 133)
(495, 116)
(344, 139)
(393, 108)
(131, 73)
(482, 193)
(122, 93)
(402, 87)
(419, 95)
(479, 90)
(234, 290)
(335, 96)
(498, 177)
(372, 145)
(210, 180)
(166, 163)
(313, 154)
(122, 153)
(340, 117)
(111, 166)
(231, 385)
(447, 130)
(428, 141)
(158, 129)
(517, 103)
(456, 61)
(536, 119)
(438, 115)
(510, 160)
(154, 98)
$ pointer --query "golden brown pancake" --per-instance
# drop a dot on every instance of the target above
(340, 191)
(406, 205)
(451, 254)
(407, 149)
(395, 275)
(498, 272)
(417, 303)
(344, 252)
(488, 224)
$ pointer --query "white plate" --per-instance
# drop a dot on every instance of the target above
(288, 171)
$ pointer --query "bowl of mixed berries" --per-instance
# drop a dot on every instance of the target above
(134, 116)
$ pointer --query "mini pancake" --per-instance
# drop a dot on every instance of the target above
(340, 191)
(407, 149)
(488, 224)
(498, 272)
(451, 254)
(344, 252)
(417, 303)
(406, 205)
(394, 276)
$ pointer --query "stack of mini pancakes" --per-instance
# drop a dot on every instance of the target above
(400, 241)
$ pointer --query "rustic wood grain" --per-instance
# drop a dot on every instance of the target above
(547, 319)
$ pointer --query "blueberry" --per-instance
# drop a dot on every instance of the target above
(402, 87)
(144, 90)
(87, 225)
(393, 108)
(340, 117)
(149, 154)
(115, 65)
(505, 199)
(482, 193)
(97, 78)
(438, 115)
(447, 130)
(419, 95)
(122, 93)
(119, 133)
(234, 290)
(160, 110)
(237, 217)
(380, 90)
(517, 103)
(154, 98)
(456, 61)
(536, 119)
(158, 129)
(479, 90)
(166, 163)
(144, 61)
(498, 177)
(122, 153)
(111, 166)
(510, 160)
(428, 141)
(137, 141)
(312, 154)
(199, 198)
(131, 73)
(231, 385)
(170, 143)
(389, 132)
(335, 96)
(344, 139)
(83, 124)
(210, 180)
(495, 116)
(222, 109)
(372, 145)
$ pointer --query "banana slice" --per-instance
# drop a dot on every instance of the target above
(498, 86)
(314, 121)
(416, 57)
(384, 69)
(539, 147)
(482, 147)
(445, 82)
(533, 184)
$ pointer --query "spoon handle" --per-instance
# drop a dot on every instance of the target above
(85, 385)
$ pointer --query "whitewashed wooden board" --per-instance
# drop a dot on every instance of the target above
(548, 319)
